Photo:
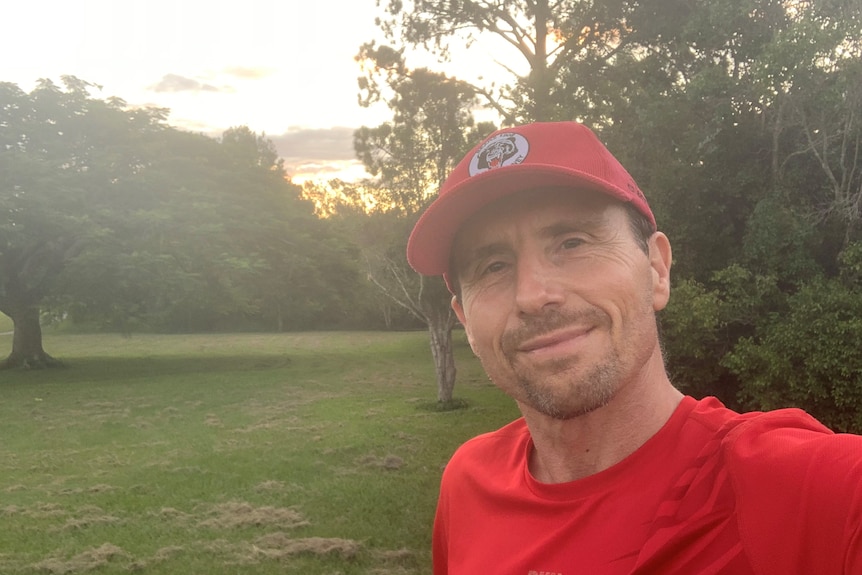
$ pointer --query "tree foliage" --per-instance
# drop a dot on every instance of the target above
(416, 150)
(109, 214)
(540, 38)
(808, 356)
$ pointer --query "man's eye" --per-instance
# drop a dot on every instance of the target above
(571, 243)
(493, 268)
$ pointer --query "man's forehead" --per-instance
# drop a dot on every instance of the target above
(547, 212)
(577, 206)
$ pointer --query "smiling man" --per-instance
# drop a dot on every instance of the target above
(557, 271)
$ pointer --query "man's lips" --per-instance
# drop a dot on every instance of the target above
(550, 341)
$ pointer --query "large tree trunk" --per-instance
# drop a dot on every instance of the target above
(27, 351)
(444, 358)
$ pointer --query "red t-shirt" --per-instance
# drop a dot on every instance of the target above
(713, 492)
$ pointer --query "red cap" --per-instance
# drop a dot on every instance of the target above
(513, 160)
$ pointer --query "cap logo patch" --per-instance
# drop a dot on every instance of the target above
(506, 149)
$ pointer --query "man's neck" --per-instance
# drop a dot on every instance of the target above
(567, 450)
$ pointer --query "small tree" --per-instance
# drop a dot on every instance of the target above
(412, 155)
(425, 298)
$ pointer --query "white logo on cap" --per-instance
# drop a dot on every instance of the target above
(506, 149)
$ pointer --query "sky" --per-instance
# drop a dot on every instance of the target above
(283, 68)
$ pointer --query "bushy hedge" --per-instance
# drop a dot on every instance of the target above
(758, 347)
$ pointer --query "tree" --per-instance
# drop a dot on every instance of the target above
(220, 239)
(545, 36)
(302, 272)
(62, 153)
(412, 155)
(814, 70)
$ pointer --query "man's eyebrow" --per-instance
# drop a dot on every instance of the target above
(483, 251)
(463, 259)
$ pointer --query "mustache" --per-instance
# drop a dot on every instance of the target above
(550, 321)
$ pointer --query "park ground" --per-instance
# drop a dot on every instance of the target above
(315, 453)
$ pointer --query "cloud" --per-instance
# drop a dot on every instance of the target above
(248, 73)
(332, 144)
(318, 153)
(177, 83)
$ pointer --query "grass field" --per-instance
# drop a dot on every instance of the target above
(205, 454)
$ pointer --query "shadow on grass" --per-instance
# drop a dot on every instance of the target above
(125, 368)
(440, 406)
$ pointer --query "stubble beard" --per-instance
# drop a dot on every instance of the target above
(562, 389)
(567, 396)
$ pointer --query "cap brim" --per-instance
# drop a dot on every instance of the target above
(430, 243)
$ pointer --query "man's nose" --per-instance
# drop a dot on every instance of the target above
(537, 286)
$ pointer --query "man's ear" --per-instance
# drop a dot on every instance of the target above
(459, 310)
(459, 313)
(660, 256)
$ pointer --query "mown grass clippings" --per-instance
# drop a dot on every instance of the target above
(83, 562)
(280, 546)
(240, 514)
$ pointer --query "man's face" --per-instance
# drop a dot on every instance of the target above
(558, 300)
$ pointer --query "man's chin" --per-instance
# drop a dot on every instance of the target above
(570, 411)
(565, 395)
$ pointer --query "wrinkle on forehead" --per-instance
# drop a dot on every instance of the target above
(496, 219)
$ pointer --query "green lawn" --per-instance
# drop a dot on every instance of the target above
(5, 323)
(298, 453)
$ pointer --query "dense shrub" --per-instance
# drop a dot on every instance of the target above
(808, 357)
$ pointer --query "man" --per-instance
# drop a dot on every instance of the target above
(557, 270)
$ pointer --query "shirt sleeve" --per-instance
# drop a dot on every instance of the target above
(799, 494)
